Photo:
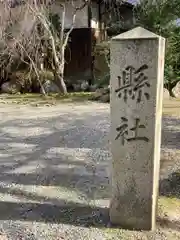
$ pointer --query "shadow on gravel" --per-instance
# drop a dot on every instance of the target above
(61, 167)
(64, 154)
(171, 133)
(70, 213)
(53, 154)
(170, 187)
(168, 224)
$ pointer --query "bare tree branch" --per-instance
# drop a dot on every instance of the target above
(30, 46)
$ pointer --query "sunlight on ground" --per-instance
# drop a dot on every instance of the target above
(171, 107)
(169, 205)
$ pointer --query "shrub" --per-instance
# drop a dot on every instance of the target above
(160, 17)
(101, 64)
(172, 61)
(104, 81)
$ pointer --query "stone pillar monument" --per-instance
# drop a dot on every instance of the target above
(137, 71)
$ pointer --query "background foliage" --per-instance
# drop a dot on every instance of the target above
(162, 17)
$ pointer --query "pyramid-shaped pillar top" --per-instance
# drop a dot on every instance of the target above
(136, 33)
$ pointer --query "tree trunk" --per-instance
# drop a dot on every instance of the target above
(43, 90)
(59, 81)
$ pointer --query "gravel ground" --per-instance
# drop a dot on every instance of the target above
(54, 164)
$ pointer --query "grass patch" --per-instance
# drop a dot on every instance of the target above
(168, 205)
(39, 99)
(170, 107)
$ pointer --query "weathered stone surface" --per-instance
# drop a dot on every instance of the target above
(10, 87)
(137, 69)
(80, 85)
(93, 88)
(99, 92)
(102, 94)
(176, 90)
(105, 98)
(50, 87)
(84, 85)
(166, 94)
(76, 87)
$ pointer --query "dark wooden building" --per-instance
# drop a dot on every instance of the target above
(97, 16)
